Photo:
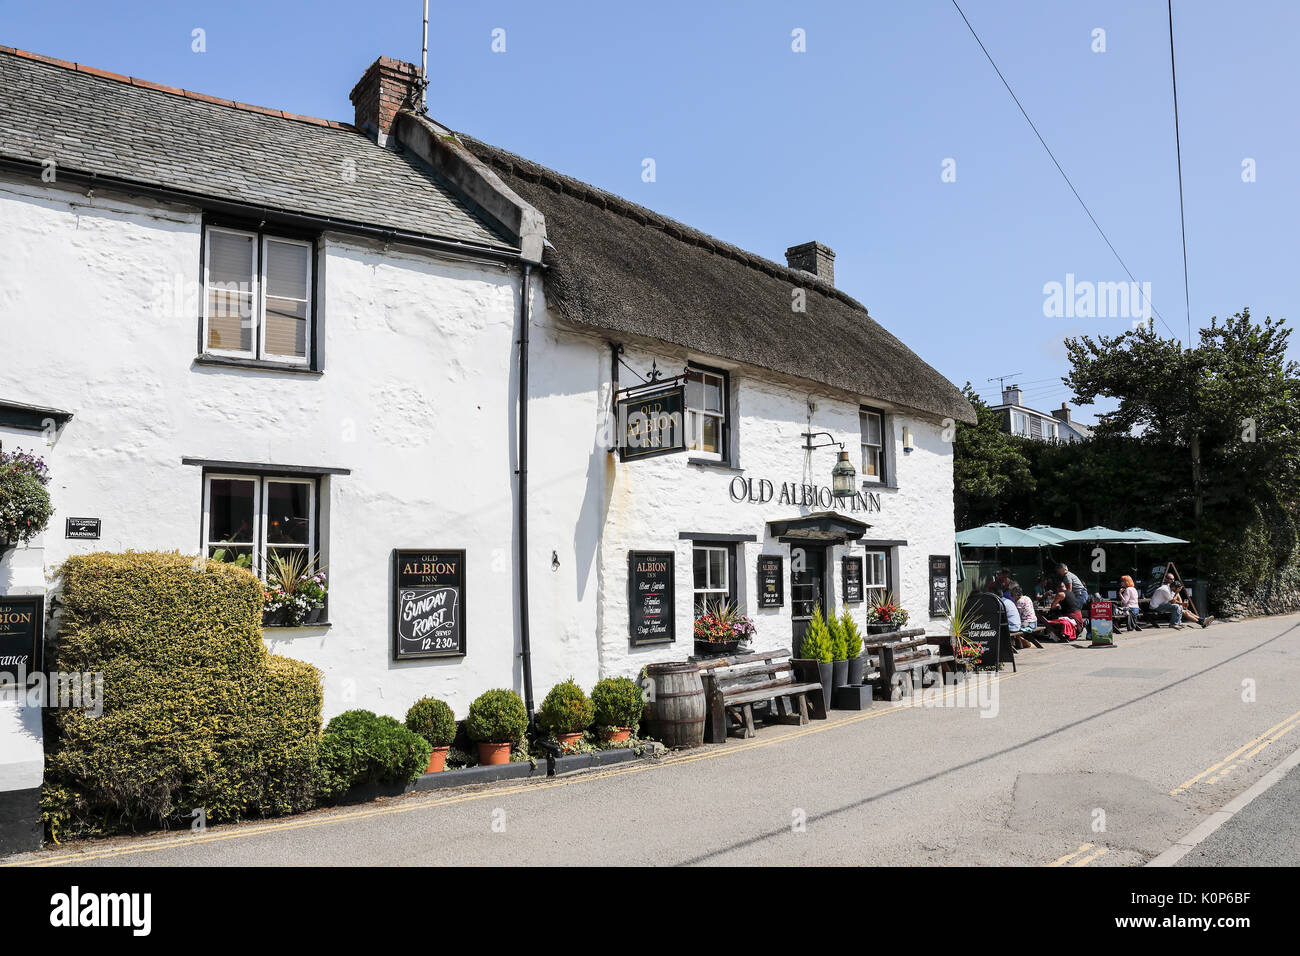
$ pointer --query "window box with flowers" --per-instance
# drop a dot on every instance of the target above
(885, 614)
(295, 591)
(24, 503)
(721, 629)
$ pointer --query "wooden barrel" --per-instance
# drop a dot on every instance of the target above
(676, 714)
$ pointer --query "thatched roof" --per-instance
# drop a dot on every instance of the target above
(622, 268)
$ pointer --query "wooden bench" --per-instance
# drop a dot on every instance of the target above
(893, 656)
(733, 685)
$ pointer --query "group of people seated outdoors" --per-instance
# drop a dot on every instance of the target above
(1061, 599)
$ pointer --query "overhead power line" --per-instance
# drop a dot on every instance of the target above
(1060, 169)
(1182, 216)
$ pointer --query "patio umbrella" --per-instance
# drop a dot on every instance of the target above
(1142, 536)
(1102, 535)
(1050, 534)
(998, 535)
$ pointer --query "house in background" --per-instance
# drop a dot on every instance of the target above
(1019, 419)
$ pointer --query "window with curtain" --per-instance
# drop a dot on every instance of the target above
(873, 446)
(711, 567)
(706, 413)
(257, 298)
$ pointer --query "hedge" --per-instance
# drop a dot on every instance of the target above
(361, 747)
(197, 713)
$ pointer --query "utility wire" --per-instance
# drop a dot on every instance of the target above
(1100, 231)
(1182, 216)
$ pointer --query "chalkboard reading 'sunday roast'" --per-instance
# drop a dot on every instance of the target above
(650, 597)
(429, 604)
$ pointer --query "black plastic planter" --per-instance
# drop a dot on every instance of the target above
(840, 673)
(826, 671)
(857, 667)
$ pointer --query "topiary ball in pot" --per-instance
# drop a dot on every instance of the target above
(617, 703)
(566, 713)
(496, 721)
(433, 720)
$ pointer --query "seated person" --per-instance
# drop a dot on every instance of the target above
(1028, 618)
(1169, 599)
(1067, 606)
(1128, 600)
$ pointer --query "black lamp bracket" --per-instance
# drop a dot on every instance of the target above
(808, 441)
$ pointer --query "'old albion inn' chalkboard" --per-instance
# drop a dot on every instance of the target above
(428, 604)
(540, 372)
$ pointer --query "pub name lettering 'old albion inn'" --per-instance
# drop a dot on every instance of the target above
(527, 425)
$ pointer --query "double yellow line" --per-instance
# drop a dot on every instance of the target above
(411, 803)
(1077, 858)
(1218, 771)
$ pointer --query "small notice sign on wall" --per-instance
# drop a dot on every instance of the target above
(87, 528)
(428, 603)
(771, 580)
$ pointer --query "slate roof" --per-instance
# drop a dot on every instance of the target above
(622, 268)
(96, 122)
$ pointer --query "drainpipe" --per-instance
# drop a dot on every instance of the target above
(525, 648)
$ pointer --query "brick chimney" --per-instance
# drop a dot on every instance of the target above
(813, 257)
(1011, 395)
(385, 87)
(1062, 413)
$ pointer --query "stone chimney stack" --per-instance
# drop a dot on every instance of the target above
(1011, 395)
(385, 87)
(1062, 413)
(813, 257)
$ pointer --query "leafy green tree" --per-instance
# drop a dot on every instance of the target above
(990, 469)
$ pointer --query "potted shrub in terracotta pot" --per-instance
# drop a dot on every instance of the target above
(433, 720)
(853, 648)
(617, 703)
(566, 713)
(817, 647)
(496, 721)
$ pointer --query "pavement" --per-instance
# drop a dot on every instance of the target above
(1083, 757)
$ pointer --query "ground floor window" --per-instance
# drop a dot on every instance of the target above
(875, 576)
(249, 518)
(713, 567)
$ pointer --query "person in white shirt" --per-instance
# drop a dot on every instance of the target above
(1169, 596)
(1128, 598)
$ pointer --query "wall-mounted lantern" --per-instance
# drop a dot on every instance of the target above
(843, 475)
(907, 440)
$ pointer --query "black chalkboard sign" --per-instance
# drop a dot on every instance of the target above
(985, 629)
(771, 580)
(428, 603)
(22, 628)
(652, 423)
(650, 597)
(852, 568)
(87, 528)
(940, 584)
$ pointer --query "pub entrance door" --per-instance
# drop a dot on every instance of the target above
(807, 588)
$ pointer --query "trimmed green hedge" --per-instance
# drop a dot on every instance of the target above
(361, 747)
(197, 714)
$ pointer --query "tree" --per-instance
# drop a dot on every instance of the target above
(989, 469)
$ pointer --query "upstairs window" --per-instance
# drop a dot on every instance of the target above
(706, 413)
(257, 301)
(873, 446)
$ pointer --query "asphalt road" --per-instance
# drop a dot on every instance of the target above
(1085, 757)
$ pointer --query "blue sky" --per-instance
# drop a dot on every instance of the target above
(845, 143)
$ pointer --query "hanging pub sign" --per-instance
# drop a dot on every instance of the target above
(651, 420)
(940, 584)
(428, 603)
(650, 597)
(771, 580)
(852, 568)
(87, 528)
(22, 624)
